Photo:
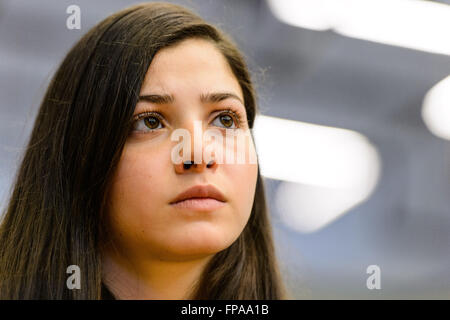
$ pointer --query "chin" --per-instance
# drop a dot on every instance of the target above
(204, 244)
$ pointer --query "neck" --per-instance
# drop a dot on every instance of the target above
(151, 279)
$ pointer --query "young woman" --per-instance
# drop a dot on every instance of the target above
(98, 187)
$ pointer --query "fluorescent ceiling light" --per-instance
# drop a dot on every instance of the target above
(313, 154)
(436, 109)
(307, 208)
(415, 24)
(326, 171)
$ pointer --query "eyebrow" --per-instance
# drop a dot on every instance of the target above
(204, 98)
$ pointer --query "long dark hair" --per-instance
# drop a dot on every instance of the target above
(54, 215)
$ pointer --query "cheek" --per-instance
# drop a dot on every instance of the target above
(136, 175)
(134, 199)
(244, 177)
(243, 183)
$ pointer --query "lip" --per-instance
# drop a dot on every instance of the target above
(199, 204)
(204, 192)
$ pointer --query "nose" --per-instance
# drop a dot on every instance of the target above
(190, 166)
(197, 147)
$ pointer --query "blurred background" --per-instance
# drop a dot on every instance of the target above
(353, 136)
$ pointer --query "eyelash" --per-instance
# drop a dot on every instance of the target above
(235, 114)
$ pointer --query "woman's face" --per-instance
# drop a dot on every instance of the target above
(142, 221)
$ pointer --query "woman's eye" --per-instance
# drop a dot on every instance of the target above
(148, 123)
(226, 120)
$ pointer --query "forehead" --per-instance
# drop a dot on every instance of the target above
(194, 65)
